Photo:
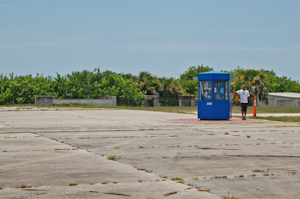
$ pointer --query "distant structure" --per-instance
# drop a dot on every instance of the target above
(282, 99)
(101, 101)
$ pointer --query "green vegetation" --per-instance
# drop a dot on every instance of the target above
(77, 85)
(177, 178)
(282, 118)
(255, 81)
(131, 89)
(189, 84)
(267, 109)
(113, 157)
(235, 109)
(23, 186)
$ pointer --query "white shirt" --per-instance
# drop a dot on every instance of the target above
(244, 94)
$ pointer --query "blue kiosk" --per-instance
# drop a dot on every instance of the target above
(214, 96)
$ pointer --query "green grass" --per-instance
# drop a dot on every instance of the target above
(268, 109)
(170, 109)
(282, 118)
(235, 109)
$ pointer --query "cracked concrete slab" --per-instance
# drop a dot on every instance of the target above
(48, 150)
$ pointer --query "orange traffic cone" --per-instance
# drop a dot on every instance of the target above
(254, 107)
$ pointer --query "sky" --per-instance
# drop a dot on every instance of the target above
(164, 37)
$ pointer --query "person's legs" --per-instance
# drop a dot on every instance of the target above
(244, 110)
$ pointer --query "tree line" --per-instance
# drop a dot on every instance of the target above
(131, 89)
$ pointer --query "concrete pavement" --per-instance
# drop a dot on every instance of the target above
(51, 150)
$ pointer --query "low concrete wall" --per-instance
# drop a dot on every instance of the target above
(99, 102)
(151, 100)
(44, 100)
(49, 100)
(187, 100)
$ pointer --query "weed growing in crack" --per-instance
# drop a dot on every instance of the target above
(73, 184)
(113, 157)
(232, 197)
(204, 190)
(176, 178)
(24, 186)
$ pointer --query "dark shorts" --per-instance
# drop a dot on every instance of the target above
(244, 107)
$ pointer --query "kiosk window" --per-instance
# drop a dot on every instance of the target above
(205, 90)
(221, 90)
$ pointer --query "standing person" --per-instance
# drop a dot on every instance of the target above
(244, 95)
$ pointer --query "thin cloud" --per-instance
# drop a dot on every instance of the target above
(62, 41)
(181, 46)
(251, 30)
(296, 46)
(6, 6)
